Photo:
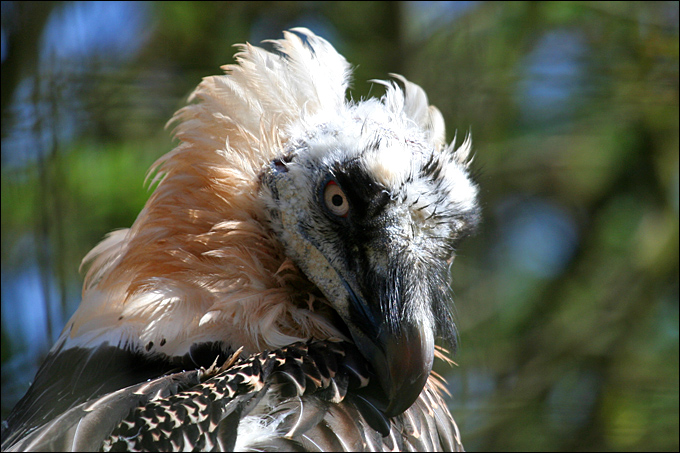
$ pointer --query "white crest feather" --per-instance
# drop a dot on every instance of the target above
(413, 102)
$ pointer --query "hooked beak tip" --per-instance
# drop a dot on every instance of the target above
(402, 363)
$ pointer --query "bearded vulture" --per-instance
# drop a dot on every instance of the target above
(284, 284)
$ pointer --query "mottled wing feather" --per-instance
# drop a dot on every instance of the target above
(207, 416)
(311, 393)
(83, 427)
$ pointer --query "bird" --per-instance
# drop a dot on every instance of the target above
(285, 283)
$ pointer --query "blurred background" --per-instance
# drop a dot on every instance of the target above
(566, 299)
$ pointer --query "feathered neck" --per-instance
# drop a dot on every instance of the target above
(200, 263)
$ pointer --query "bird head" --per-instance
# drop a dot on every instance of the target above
(289, 213)
(370, 206)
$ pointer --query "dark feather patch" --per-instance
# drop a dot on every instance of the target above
(86, 374)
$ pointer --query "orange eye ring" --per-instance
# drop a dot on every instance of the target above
(335, 199)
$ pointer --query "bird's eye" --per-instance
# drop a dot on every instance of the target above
(335, 199)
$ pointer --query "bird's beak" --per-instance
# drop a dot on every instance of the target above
(402, 361)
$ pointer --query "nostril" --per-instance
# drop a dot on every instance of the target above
(280, 165)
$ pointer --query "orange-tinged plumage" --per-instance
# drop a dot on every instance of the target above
(202, 236)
